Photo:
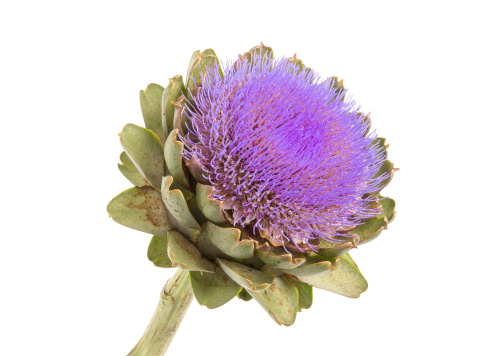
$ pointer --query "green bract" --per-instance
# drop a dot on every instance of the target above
(172, 201)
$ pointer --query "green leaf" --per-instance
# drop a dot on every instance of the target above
(301, 66)
(297, 61)
(197, 66)
(129, 170)
(213, 289)
(210, 52)
(260, 51)
(205, 245)
(254, 262)
(197, 170)
(280, 300)
(140, 209)
(345, 280)
(185, 255)
(331, 249)
(350, 259)
(157, 252)
(278, 258)
(195, 58)
(188, 195)
(365, 119)
(388, 168)
(244, 295)
(305, 292)
(380, 142)
(388, 206)
(196, 212)
(309, 269)
(180, 120)
(373, 227)
(245, 276)
(151, 106)
(145, 151)
(178, 211)
(171, 94)
(211, 208)
(173, 155)
(338, 86)
(370, 229)
(228, 241)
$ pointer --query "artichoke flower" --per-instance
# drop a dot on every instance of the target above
(255, 179)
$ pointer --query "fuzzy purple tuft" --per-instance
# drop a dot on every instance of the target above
(284, 151)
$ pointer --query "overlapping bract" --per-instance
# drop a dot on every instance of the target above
(196, 231)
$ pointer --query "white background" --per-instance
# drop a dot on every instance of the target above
(73, 282)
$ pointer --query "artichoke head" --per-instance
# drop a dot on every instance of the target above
(172, 200)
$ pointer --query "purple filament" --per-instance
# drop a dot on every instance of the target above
(283, 151)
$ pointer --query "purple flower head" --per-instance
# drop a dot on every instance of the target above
(285, 153)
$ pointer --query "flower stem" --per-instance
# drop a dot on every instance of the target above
(176, 297)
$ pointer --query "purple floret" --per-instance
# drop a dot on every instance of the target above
(283, 151)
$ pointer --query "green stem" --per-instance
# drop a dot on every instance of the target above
(176, 297)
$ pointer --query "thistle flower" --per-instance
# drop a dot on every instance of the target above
(284, 151)
(255, 179)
